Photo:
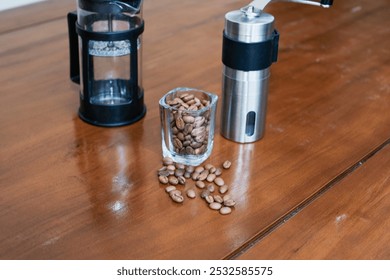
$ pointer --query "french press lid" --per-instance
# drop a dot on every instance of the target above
(110, 6)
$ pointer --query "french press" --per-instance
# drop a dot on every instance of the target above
(105, 59)
(250, 46)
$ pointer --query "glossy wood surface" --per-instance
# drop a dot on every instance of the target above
(350, 221)
(70, 190)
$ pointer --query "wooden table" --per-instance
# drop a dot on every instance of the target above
(316, 187)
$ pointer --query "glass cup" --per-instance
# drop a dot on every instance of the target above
(187, 125)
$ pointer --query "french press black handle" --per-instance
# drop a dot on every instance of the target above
(73, 48)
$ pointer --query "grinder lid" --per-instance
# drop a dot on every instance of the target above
(249, 26)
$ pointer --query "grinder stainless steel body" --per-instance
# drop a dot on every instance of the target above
(250, 46)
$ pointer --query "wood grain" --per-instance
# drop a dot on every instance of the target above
(350, 221)
(70, 190)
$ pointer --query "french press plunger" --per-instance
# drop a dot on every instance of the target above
(250, 46)
(105, 59)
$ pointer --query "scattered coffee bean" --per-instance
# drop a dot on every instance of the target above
(226, 164)
(211, 188)
(219, 181)
(225, 210)
(226, 197)
(176, 173)
(218, 198)
(191, 193)
(229, 202)
(181, 180)
(167, 161)
(180, 166)
(171, 167)
(208, 166)
(223, 189)
(210, 177)
(203, 175)
(209, 199)
(179, 172)
(200, 184)
(173, 180)
(170, 188)
(164, 173)
(163, 179)
(190, 169)
(199, 169)
(204, 194)
(176, 196)
(215, 205)
(218, 172)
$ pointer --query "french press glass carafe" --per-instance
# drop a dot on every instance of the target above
(105, 59)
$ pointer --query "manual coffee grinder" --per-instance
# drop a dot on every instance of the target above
(250, 46)
(105, 59)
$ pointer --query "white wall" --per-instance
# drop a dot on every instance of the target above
(9, 4)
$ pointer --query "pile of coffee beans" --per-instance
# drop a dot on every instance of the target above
(189, 125)
(205, 179)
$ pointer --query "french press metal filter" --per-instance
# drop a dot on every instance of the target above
(250, 46)
(105, 59)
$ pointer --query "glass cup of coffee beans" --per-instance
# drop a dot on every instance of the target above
(187, 125)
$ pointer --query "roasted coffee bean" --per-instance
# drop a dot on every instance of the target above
(208, 166)
(186, 143)
(215, 205)
(188, 130)
(180, 166)
(167, 161)
(170, 188)
(204, 193)
(179, 172)
(200, 184)
(223, 189)
(229, 202)
(193, 108)
(227, 164)
(203, 175)
(218, 198)
(173, 180)
(190, 168)
(187, 97)
(171, 167)
(190, 150)
(188, 119)
(219, 181)
(226, 197)
(199, 169)
(196, 145)
(225, 210)
(211, 177)
(198, 131)
(176, 196)
(164, 172)
(209, 199)
(181, 180)
(191, 193)
(163, 179)
(180, 124)
(211, 188)
(177, 143)
(199, 121)
(180, 136)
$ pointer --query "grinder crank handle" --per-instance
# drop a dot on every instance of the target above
(260, 4)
